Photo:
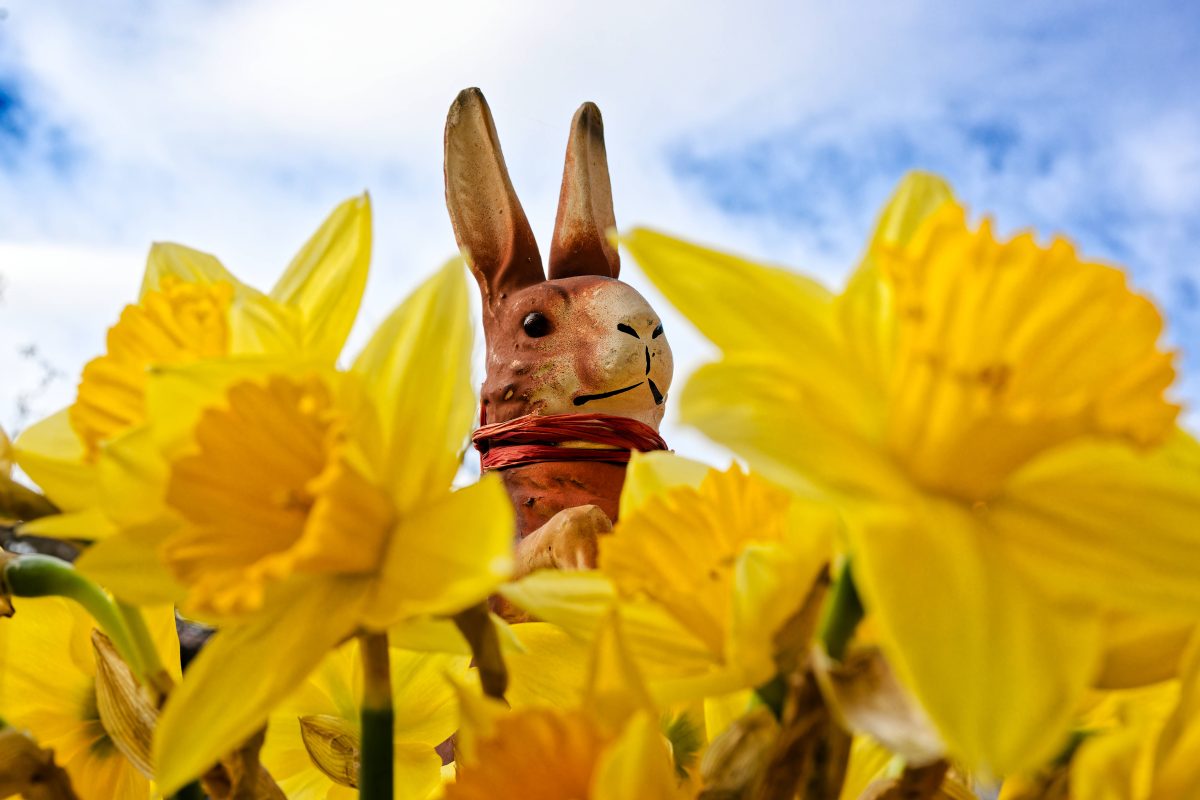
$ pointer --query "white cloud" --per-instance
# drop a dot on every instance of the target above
(234, 127)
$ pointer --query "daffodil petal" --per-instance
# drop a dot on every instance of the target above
(447, 556)
(53, 457)
(770, 586)
(417, 770)
(651, 473)
(578, 601)
(869, 760)
(246, 670)
(791, 313)
(424, 698)
(6, 455)
(128, 565)
(865, 310)
(428, 635)
(637, 765)
(326, 279)
(260, 326)
(1139, 651)
(167, 259)
(1108, 767)
(91, 524)
(998, 666)
(132, 477)
(417, 368)
(551, 671)
(722, 710)
(1111, 524)
(1177, 759)
(615, 690)
(781, 423)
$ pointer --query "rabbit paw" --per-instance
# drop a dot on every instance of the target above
(569, 540)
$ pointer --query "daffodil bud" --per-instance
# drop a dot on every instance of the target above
(30, 771)
(126, 711)
(333, 744)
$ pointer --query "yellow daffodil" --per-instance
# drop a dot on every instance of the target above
(190, 309)
(6, 455)
(990, 416)
(308, 734)
(299, 505)
(48, 687)
(705, 567)
(1151, 751)
(609, 748)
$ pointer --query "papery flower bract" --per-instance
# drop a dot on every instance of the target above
(48, 687)
(302, 505)
(704, 567)
(190, 308)
(609, 748)
(426, 714)
(991, 418)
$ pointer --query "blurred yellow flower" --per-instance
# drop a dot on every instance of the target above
(990, 417)
(302, 505)
(48, 687)
(6, 455)
(608, 748)
(705, 569)
(426, 713)
(190, 309)
(1144, 744)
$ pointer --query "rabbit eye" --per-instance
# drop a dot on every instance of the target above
(536, 325)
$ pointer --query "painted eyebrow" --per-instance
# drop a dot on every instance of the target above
(623, 328)
(657, 332)
(560, 290)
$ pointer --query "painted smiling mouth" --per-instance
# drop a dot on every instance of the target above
(587, 398)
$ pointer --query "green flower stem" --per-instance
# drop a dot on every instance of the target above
(155, 674)
(843, 611)
(375, 776)
(44, 576)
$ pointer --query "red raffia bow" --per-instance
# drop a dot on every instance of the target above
(532, 439)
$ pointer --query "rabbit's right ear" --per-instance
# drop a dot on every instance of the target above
(487, 216)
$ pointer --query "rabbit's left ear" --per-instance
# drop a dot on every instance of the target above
(585, 208)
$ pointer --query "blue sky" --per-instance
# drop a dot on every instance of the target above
(773, 129)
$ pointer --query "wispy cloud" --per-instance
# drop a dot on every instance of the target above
(775, 130)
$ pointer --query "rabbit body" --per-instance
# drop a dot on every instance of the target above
(579, 341)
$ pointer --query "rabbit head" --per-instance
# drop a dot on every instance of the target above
(578, 340)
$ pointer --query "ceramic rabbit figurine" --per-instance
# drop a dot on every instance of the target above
(578, 367)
